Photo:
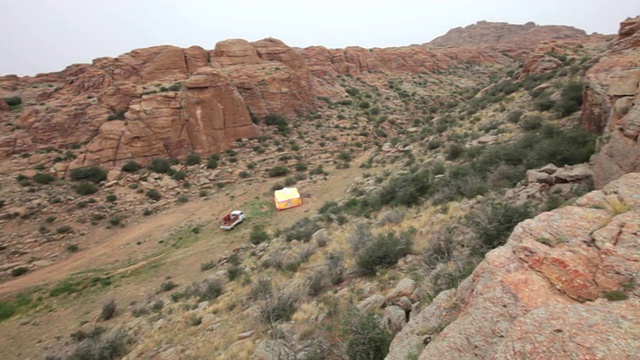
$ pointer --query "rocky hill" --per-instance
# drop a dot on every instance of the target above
(448, 208)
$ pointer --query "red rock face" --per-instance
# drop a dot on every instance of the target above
(175, 103)
(611, 105)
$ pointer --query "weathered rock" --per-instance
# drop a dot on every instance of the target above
(272, 350)
(394, 317)
(616, 76)
(404, 288)
(371, 303)
(542, 294)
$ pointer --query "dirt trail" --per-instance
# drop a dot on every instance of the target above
(121, 247)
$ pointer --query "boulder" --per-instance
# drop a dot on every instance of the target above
(394, 317)
(371, 303)
(404, 288)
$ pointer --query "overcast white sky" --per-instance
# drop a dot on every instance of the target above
(48, 35)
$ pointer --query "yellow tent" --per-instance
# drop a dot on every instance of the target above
(287, 198)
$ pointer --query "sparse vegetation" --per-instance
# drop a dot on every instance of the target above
(91, 173)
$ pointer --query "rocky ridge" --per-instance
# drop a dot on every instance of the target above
(611, 105)
(166, 101)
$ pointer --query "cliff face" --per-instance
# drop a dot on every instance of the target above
(610, 106)
(544, 294)
(166, 101)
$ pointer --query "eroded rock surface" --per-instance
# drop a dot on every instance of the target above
(544, 295)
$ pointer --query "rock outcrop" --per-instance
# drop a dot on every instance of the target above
(611, 105)
(563, 286)
(166, 101)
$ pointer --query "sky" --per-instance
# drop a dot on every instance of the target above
(40, 36)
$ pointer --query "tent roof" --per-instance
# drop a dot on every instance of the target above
(286, 194)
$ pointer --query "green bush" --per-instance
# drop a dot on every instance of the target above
(85, 188)
(89, 173)
(153, 194)
(531, 123)
(302, 230)
(111, 198)
(119, 115)
(384, 251)
(570, 98)
(179, 175)
(108, 310)
(192, 159)
(131, 166)
(544, 103)
(258, 235)
(19, 271)
(212, 161)
(364, 338)
(13, 101)
(494, 221)
(454, 152)
(162, 166)
(278, 171)
(44, 179)
(279, 121)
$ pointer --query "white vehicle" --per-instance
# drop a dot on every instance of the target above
(232, 219)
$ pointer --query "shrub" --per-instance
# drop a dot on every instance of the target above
(89, 173)
(72, 248)
(179, 175)
(19, 271)
(345, 156)
(278, 171)
(280, 306)
(115, 221)
(302, 230)
(111, 198)
(531, 123)
(493, 222)
(570, 98)
(168, 286)
(119, 115)
(206, 290)
(454, 152)
(315, 283)
(13, 100)
(212, 161)
(85, 188)
(233, 272)
(111, 348)
(192, 159)
(384, 251)
(365, 338)
(64, 229)
(244, 174)
(364, 105)
(41, 178)
(162, 166)
(131, 166)
(300, 166)
(108, 310)
(153, 194)
(544, 103)
(258, 235)
(514, 116)
(335, 267)
(207, 265)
